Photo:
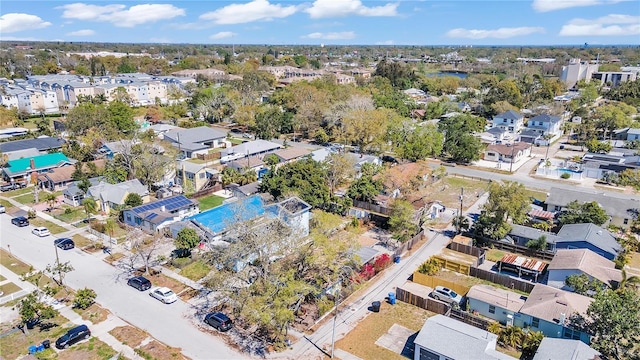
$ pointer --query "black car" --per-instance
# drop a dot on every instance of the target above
(73, 336)
(20, 221)
(64, 243)
(219, 321)
(139, 282)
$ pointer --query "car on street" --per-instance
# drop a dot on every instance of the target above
(2, 209)
(219, 321)
(64, 243)
(40, 231)
(72, 336)
(164, 294)
(139, 282)
(447, 295)
(20, 221)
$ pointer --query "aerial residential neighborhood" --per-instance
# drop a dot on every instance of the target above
(168, 200)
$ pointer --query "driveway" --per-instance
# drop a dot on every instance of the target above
(172, 324)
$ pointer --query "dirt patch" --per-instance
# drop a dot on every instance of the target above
(374, 236)
(129, 335)
(94, 313)
(188, 294)
(162, 280)
(113, 258)
(160, 351)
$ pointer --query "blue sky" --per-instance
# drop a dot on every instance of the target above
(344, 22)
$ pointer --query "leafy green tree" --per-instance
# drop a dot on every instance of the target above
(84, 185)
(507, 200)
(584, 285)
(417, 144)
(271, 159)
(306, 178)
(367, 129)
(339, 169)
(84, 298)
(537, 244)
(629, 177)
(31, 308)
(402, 220)
(365, 188)
(596, 146)
(270, 122)
(133, 200)
(460, 143)
(121, 116)
(187, 238)
(506, 90)
(85, 116)
(511, 336)
(588, 212)
(530, 343)
(90, 206)
(398, 74)
(613, 320)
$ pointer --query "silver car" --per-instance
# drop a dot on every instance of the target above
(164, 294)
(447, 295)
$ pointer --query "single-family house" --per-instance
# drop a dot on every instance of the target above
(59, 178)
(495, 135)
(28, 169)
(567, 262)
(494, 303)
(509, 120)
(588, 236)
(398, 179)
(245, 190)
(154, 216)
(597, 166)
(194, 141)
(545, 124)
(161, 129)
(547, 309)
(507, 153)
(445, 338)
(563, 349)
(530, 136)
(42, 144)
(111, 196)
(628, 134)
(110, 149)
(621, 209)
(197, 175)
(291, 154)
(257, 148)
(73, 195)
(360, 159)
(247, 164)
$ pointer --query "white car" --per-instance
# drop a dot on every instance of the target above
(2, 209)
(164, 294)
(41, 231)
(447, 295)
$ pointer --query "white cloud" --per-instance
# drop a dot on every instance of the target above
(84, 32)
(14, 22)
(334, 8)
(551, 5)
(344, 35)
(222, 35)
(609, 25)
(501, 33)
(119, 15)
(385, 42)
(255, 10)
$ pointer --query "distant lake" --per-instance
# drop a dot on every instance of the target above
(441, 74)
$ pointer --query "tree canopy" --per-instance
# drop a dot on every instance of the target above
(589, 212)
(460, 143)
(506, 201)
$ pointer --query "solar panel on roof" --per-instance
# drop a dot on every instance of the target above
(151, 216)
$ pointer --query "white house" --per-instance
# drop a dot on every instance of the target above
(507, 153)
(545, 124)
(509, 120)
(569, 262)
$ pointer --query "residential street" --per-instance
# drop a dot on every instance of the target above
(172, 324)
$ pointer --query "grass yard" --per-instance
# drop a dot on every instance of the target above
(163, 280)
(9, 288)
(196, 270)
(540, 195)
(158, 351)
(448, 191)
(90, 349)
(81, 241)
(94, 313)
(17, 192)
(494, 255)
(209, 202)
(2, 278)
(13, 264)
(76, 214)
(113, 258)
(6, 204)
(129, 335)
(25, 199)
(16, 344)
(53, 228)
(361, 340)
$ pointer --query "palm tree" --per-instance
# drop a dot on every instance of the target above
(511, 336)
(632, 282)
(110, 227)
(495, 328)
(90, 206)
(531, 342)
(50, 198)
(461, 223)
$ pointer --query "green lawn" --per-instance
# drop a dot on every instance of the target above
(26, 199)
(9, 288)
(13, 264)
(53, 228)
(196, 270)
(18, 192)
(74, 216)
(540, 195)
(210, 201)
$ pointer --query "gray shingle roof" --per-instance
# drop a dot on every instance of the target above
(456, 340)
(194, 135)
(510, 114)
(548, 303)
(532, 233)
(251, 148)
(562, 349)
(42, 144)
(115, 193)
(545, 118)
(614, 205)
(590, 233)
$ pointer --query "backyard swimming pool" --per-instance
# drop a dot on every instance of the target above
(221, 217)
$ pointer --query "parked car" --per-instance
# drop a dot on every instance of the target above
(20, 221)
(12, 186)
(2, 209)
(64, 243)
(73, 336)
(40, 231)
(164, 294)
(447, 295)
(219, 321)
(139, 282)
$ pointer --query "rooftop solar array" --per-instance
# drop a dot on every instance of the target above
(170, 204)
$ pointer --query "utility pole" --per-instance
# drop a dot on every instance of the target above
(511, 166)
(459, 219)
(58, 265)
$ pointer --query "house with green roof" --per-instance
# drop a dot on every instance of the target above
(19, 170)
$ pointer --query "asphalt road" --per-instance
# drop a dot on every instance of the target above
(172, 324)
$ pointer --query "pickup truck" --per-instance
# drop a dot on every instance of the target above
(12, 186)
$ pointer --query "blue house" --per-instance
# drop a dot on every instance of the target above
(547, 309)
(159, 214)
(494, 303)
(588, 236)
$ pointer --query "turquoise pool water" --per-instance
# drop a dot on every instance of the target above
(221, 217)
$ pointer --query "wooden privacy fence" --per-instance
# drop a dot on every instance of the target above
(518, 249)
(371, 207)
(503, 280)
(407, 245)
(422, 302)
(470, 319)
(209, 156)
(432, 282)
(453, 265)
(469, 250)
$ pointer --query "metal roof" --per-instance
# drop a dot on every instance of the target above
(42, 144)
(523, 262)
(170, 204)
